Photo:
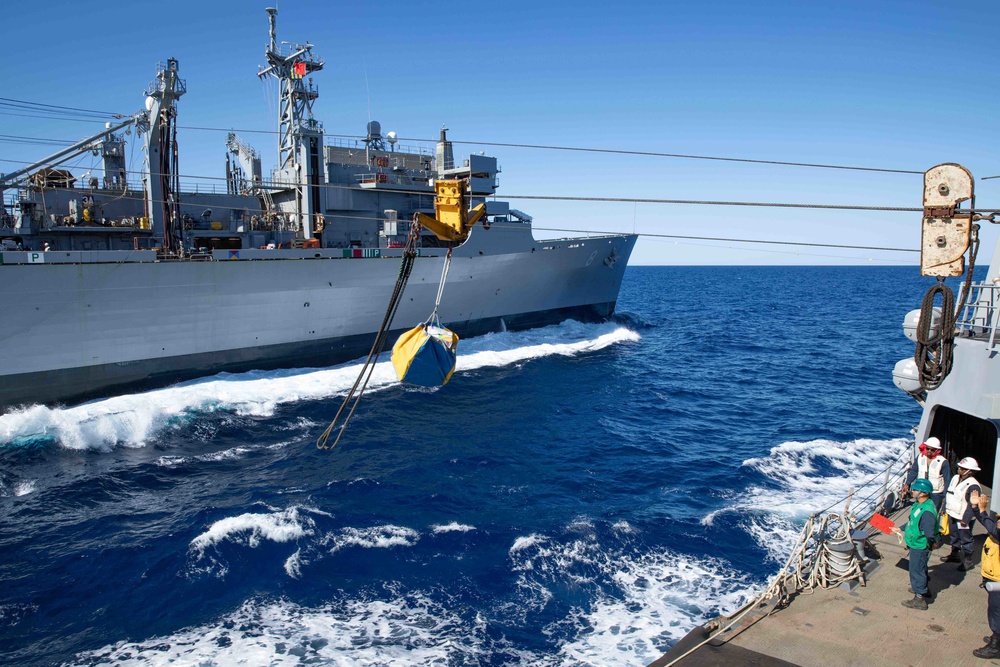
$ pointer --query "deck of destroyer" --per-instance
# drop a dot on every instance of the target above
(861, 627)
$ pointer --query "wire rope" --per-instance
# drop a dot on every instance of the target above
(27, 105)
(357, 390)
(629, 200)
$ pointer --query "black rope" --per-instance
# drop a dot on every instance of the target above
(355, 394)
(933, 353)
(967, 285)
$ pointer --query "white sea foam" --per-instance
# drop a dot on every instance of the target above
(24, 487)
(375, 537)
(526, 542)
(640, 604)
(293, 565)
(623, 527)
(453, 527)
(223, 455)
(282, 526)
(134, 419)
(404, 630)
(661, 597)
(806, 477)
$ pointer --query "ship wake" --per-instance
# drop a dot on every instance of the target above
(133, 420)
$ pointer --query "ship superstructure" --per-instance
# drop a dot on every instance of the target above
(125, 283)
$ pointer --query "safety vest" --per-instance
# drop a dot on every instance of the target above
(991, 560)
(955, 504)
(914, 537)
(930, 469)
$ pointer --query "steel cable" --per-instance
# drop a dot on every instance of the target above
(364, 376)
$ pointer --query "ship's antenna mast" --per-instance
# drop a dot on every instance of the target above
(300, 136)
(368, 91)
(163, 188)
(272, 19)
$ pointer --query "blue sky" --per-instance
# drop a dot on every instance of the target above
(903, 85)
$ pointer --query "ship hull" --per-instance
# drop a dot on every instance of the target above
(85, 330)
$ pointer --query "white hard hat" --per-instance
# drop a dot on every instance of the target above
(932, 443)
(968, 463)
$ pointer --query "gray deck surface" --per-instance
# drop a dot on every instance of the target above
(822, 628)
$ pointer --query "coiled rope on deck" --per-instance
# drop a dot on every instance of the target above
(811, 553)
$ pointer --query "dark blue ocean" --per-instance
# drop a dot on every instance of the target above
(582, 494)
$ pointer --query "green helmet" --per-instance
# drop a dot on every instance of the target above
(922, 485)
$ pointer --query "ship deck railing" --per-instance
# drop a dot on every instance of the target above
(979, 316)
(359, 144)
(21, 257)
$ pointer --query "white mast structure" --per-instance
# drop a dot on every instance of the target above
(300, 136)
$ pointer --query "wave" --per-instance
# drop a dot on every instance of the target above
(453, 527)
(282, 526)
(251, 529)
(234, 453)
(18, 488)
(23, 488)
(803, 478)
(295, 524)
(659, 597)
(375, 537)
(403, 630)
(640, 604)
(132, 420)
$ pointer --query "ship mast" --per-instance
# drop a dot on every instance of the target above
(163, 187)
(300, 136)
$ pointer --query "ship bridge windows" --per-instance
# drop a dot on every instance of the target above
(963, 435)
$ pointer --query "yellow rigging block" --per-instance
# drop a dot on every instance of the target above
(452, 220)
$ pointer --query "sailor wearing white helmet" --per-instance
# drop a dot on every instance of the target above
(958, 505)
(932, 466)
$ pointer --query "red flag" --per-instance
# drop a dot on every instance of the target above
(298, 70)
(881, 523)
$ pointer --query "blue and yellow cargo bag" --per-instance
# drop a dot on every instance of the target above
(425, 355)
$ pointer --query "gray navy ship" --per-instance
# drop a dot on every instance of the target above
(121, 286)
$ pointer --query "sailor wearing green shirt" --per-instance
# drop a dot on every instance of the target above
(921, 532)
